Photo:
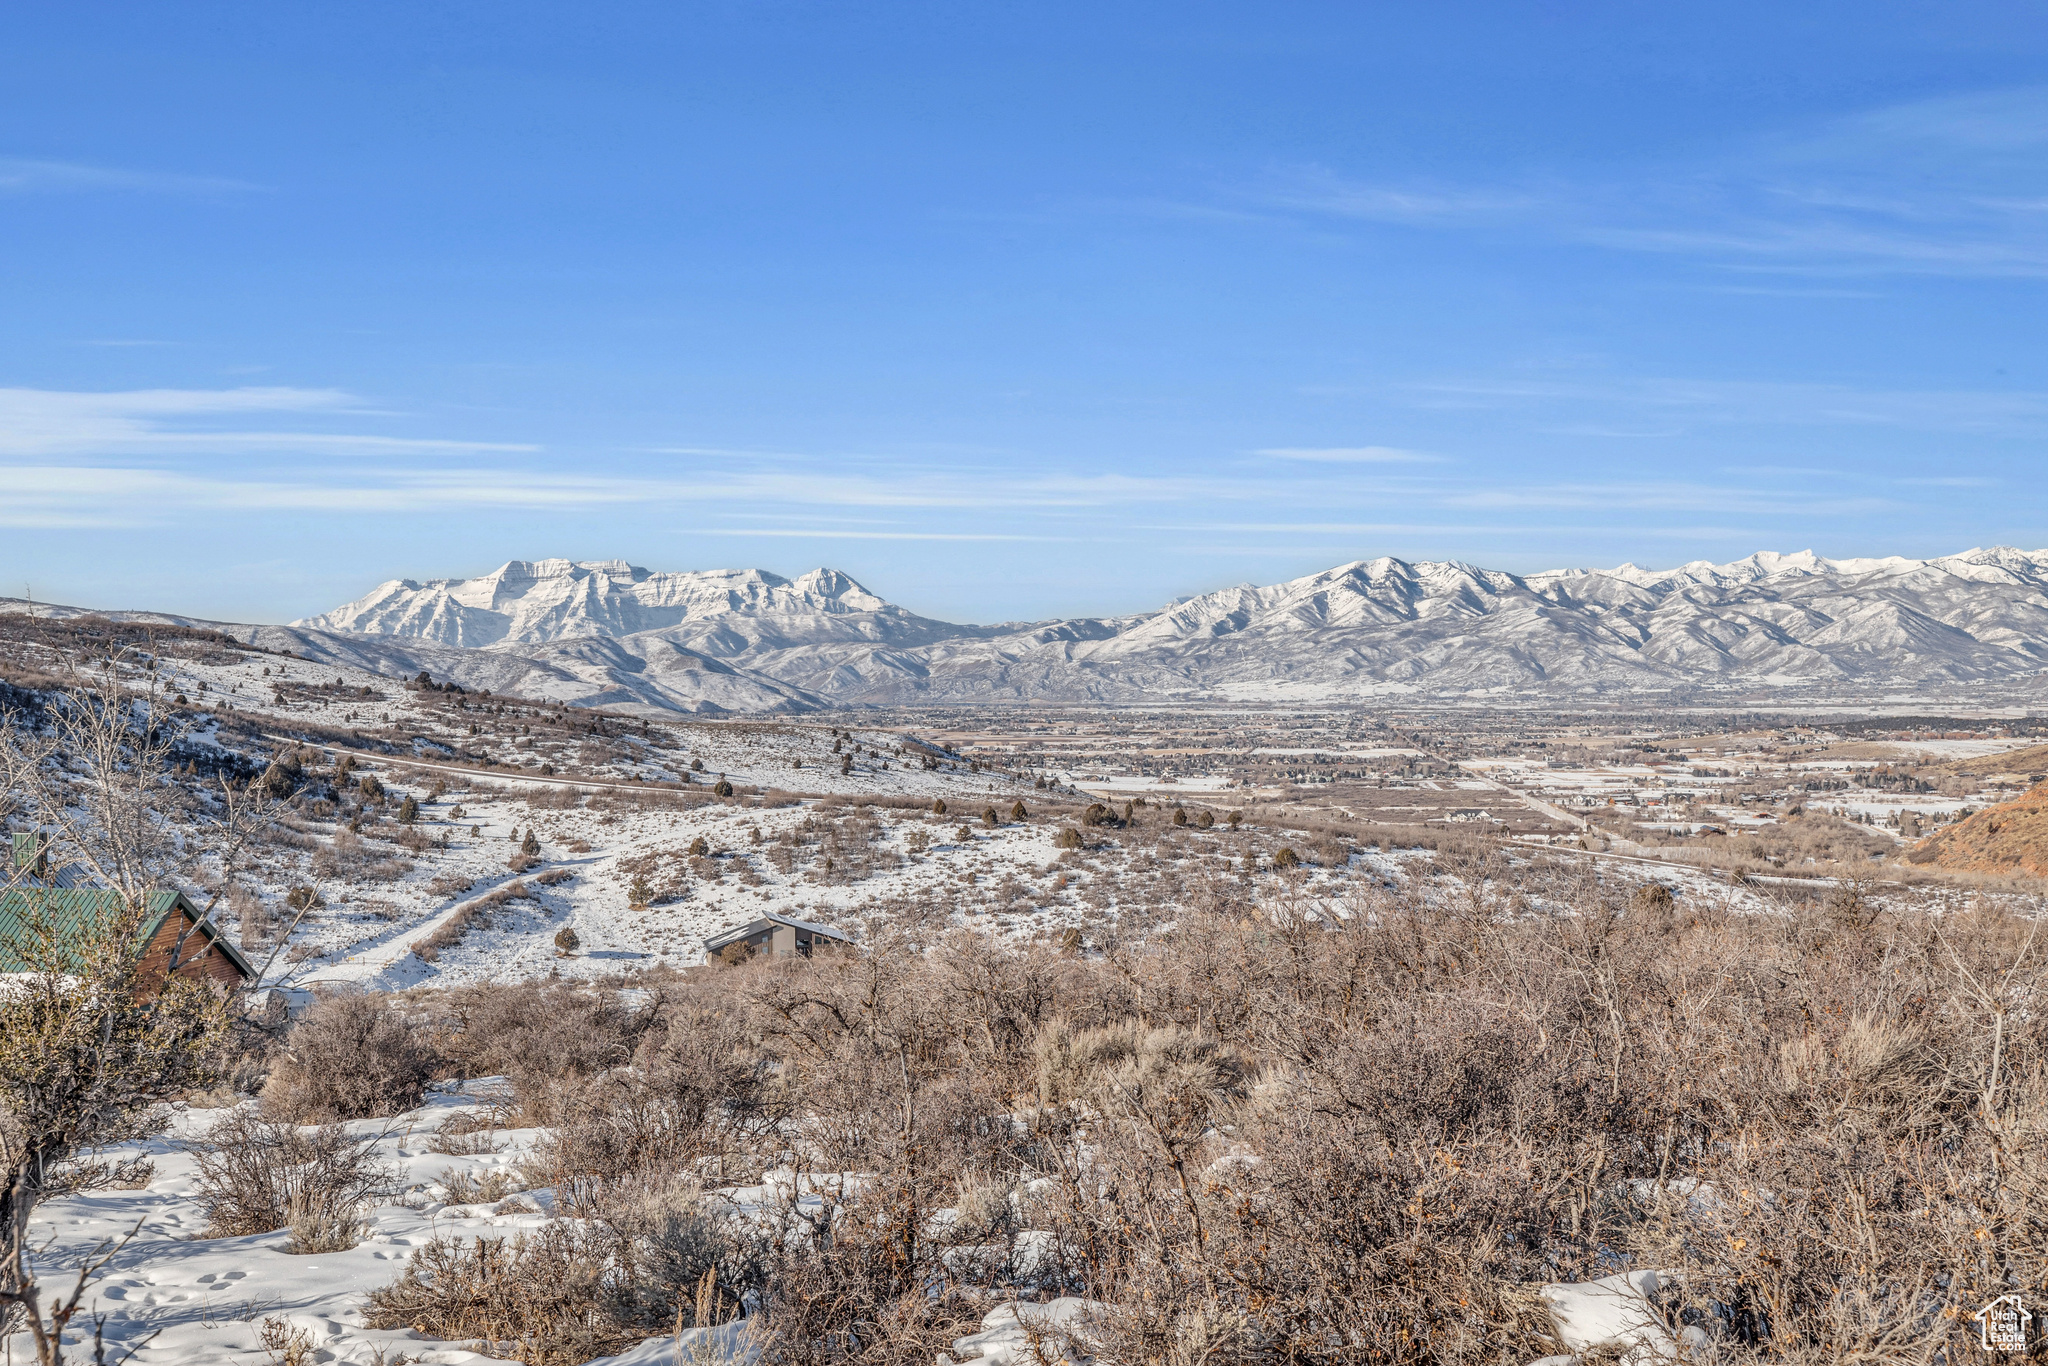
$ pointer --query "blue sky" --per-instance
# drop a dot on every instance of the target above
(1008, 311)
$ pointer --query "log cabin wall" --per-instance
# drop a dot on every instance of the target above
(198, 958)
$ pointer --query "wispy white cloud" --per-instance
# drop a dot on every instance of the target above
(1320, 190)
(828, 534)
(20, 175)
(45, 422)
(1665, 497)
(1951, 187)
(164, 456)
(144, 456)
(1351, 455)
(1785, 472)
(1519, 530)
(1759, 402)
(1337, 528)
(102, 494)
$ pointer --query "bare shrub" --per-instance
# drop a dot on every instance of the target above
(464, 1135)
(548, 1038)
(474, 916)
(477, 1188)
(1266, 1135)
(285, 1343)
(870, 1278)
(250, 914)
(540, 1298)
(351, 1056)
(695, 1094)
(258, 1175)
(575, 1289)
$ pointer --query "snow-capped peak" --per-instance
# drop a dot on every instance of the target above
(531, 601)
(1770, 619)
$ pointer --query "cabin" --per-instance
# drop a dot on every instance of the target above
(174, 937)
(31, 855)
(773, 936)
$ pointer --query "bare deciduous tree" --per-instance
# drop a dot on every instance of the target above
(91, 1041)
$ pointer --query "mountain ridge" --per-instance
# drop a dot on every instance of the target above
(1370, 627)
(736, 640)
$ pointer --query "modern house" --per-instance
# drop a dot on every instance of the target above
(772, 936)
(39, 926)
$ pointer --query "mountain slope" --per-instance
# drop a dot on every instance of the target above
(2011, 837)
(534, 602)
(747, 640)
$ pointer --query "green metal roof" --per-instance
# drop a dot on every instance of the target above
(29, 913)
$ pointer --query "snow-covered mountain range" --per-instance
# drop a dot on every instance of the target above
(608, 633)
(751, 640)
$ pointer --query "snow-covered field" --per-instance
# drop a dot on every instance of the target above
(1162, 787)
(174, 1295)
(1006, 879)
(828, 824)
(180, 1297)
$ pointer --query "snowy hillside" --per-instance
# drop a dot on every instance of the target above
(527, 603)
(751, 641)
